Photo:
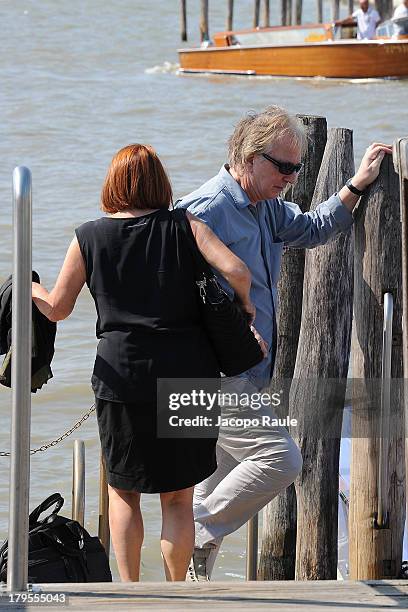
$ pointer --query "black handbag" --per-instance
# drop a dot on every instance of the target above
(60, 549)
(233, 342)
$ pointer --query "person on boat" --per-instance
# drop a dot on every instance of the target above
(367, 19)
(135, 262)
(242, 206)
(401, 12)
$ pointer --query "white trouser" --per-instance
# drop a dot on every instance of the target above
(255, 463)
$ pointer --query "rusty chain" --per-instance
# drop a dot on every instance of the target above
(45, 447)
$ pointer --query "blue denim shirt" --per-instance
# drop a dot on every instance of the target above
(258, 239)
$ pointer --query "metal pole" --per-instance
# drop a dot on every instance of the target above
(17, 574)
(252, 548)
(78, 482)
(382, 514)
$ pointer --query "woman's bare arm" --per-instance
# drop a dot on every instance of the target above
(60, 301)
(224, 261)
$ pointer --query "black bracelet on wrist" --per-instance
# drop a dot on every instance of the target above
(354, 189)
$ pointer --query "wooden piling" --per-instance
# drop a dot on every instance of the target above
(230, 14)
(400, 156)
(266, 14)
(319, 383)
(298, 12)
(335, 13)
(257, 4)
(376, 553)
(183, 20)
(103, 524)
(284, 12)
(385, 8)
(289, 12)
(204, 32)
(319, 10)
(278, 548)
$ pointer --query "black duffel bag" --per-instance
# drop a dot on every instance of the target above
(233, 342)
(59, 549)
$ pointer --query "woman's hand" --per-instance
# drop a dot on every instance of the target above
(370, 165)
(261, 341)
(41, 299)
(249, 311)
(235, 272)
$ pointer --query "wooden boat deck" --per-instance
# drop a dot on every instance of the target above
(312, 596)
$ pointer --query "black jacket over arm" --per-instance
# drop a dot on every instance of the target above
(43, 338)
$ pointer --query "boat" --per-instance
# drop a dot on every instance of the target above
(310, 50)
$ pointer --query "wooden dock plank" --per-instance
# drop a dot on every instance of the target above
(311, 596)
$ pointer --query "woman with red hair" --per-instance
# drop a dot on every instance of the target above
(139, 270)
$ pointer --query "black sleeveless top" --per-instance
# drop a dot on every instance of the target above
(140, 274)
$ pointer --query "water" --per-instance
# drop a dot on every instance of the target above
(78, 81)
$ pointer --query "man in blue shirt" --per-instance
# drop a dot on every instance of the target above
(242, 206)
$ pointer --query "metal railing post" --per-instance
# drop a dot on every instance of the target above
(252, 548)
(17, 574)
(382, 514)
(78, 482)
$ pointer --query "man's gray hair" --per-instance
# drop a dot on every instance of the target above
(256, 132)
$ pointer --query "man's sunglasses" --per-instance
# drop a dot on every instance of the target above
(283, 167)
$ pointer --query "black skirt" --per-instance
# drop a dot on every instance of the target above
(136, 460)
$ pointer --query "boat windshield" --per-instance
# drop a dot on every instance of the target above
(393, 28)
(284, 36)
